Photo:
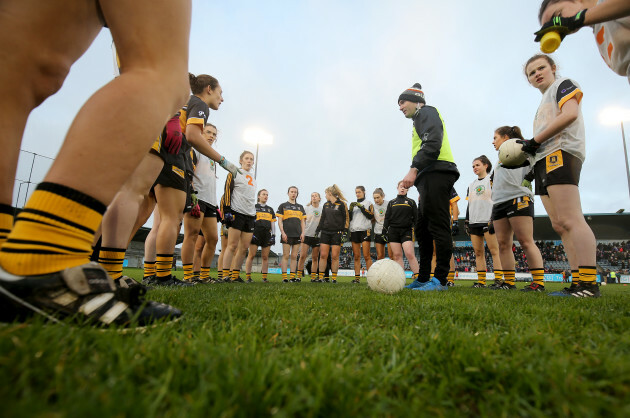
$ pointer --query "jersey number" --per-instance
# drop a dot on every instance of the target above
(250, 182)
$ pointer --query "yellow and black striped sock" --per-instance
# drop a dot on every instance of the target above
(284, 276)
(321, 275)
(575, 276)
(498, 275)
(248, 276)
(264, 276)
(6, 222)
(220, 274)
(112, 260)
(235, 274)
(196, 273)
(188, 271)
(538, 275)
(481, 277)
(334, 277)
(163, 264)
(53, 232)
(588, 275)
(414, 276)
(313, 275)
(300, 274)
(357, 277)
(292, 276)
(204, 274)
(226, 274)
(451, 277)
(149, 268)
(509, 276)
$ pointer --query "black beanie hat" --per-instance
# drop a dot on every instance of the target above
(413, 94)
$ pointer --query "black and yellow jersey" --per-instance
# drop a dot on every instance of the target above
(291, 215)
(335, 217)
(265, 216)
(401, 213)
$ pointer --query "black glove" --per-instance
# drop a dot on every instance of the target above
(512, 167)
(385, 234)
(467, 227)
(529, 145)
(562, 25)
(455, 229)
(272, 240)
(344, 237)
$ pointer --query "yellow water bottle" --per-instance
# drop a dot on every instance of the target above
(550, 42)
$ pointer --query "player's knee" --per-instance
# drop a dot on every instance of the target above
(560, 225)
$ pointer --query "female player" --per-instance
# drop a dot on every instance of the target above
(513, 213)
(478, 220)
(333, 224)
(380, 208)
(400, 219)
(291, 216)
(264, 236)
(46, 254)
(559, 148)
(609, 19)
(313, 215)
(361, 215)
(205, 185)
(239, 212)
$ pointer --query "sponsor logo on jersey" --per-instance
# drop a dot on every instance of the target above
(480, 189)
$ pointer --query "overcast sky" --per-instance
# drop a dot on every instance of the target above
(323, 77)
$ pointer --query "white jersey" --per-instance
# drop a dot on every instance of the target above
(359, 221)
(480, 201)
(313, 216)
(572, 139)
(379, 216)
(205, 179)
(243, 199)
(506, 184)
(613, 42)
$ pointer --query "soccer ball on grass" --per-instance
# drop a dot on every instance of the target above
(386, 276)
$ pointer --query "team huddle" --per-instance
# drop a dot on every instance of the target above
(96, 196)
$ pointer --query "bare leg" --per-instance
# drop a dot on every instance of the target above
(408, 248)
(199, 246)
(397, 253)
(493, 247)
(366, 254)
(524, 228)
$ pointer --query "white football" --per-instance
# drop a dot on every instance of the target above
(386, 276)
(511, 153)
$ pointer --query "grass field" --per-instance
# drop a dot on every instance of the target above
(332, 350)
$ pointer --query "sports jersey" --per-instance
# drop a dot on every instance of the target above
(401, 213)
(335, 217)
(379, 216)
(361, 216)
(195, 112)
(313, 214)
(205, 179)
(572, 138)
(291, 215)
(265, 217)
(480, 202)
(613, 42)
(506, 183)
(240, 193)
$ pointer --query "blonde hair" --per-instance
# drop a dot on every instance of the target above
(336, 192)
(311, 202)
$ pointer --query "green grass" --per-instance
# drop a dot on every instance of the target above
(324, 350)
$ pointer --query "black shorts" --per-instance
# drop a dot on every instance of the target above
(261, 237)
(379, 239)
(208, 210)
(399, 235)
(522, 206)
(559, 167)
(311, 241)
(291, 240)
(358, 237)
(478, 229)
(173, 177)
(331, 237)
(244, 223)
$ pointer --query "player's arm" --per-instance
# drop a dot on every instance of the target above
(303, 225)
(369, 212)
(455, 209)
(414, 214)
(388, 215)
(347, 216)
(198, 142)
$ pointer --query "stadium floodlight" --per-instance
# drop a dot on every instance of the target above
(257, 136)
(612, 116)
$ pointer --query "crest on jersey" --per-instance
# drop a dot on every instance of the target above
(480, 189)
(381, 211)
(316, 212)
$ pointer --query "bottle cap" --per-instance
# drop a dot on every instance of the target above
(550, 42)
